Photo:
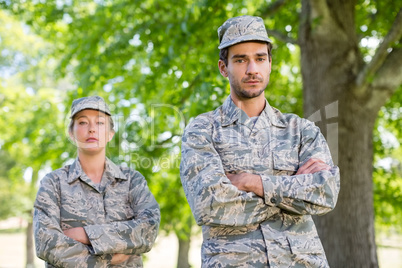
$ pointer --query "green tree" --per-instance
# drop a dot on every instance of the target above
(10, 204)
(31, 126)
(31, 138)
(336, 66)
(139, 64)
(388, 166)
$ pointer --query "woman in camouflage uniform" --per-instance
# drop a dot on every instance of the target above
(94, 213)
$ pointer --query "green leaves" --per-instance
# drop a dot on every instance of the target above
(388, 165)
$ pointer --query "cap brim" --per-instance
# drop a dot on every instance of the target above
(244, 39)
(89, 108)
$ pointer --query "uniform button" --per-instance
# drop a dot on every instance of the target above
(273, 200)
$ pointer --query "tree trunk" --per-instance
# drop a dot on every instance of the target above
(184, 249)
(330, 61)
(348, 231)
(30, 258)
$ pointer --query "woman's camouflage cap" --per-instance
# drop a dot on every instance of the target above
(93, 103)
(242, 29)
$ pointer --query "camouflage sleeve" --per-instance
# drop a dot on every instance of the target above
(51, 244)
(134, 236)
(314, 194)
(211, 196)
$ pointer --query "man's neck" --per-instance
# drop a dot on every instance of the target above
(252, 107)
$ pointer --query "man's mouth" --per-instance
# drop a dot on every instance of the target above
(252, 80)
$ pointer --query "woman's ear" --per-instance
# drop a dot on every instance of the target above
(111, 134)
(222, 68)
(71, 136)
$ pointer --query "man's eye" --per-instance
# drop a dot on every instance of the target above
(261, 59)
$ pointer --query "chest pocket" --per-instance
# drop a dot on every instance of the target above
(285, 162)
(73, 209)
(235, 157)
(117, 203)
(234, 150)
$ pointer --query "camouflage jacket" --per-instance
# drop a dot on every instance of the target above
(241, 229)
(119, 215)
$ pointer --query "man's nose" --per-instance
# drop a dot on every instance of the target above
(252, 67)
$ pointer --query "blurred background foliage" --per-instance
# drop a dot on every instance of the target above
(156, 64)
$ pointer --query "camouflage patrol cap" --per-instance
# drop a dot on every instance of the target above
(93, 103)
(242, 29)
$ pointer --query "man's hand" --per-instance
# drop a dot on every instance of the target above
(313, 165)
(118, 258)
(247, 182)
(78, 234)
(253, 183)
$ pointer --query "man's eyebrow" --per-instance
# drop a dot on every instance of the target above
(239, 56)
(242, 56)
(261, 54)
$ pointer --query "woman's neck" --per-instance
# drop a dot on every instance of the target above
(93, 165)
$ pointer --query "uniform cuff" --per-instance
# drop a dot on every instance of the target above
(272, 190)
(94, 234)
(102, 261)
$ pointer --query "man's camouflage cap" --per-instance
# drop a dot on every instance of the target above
(242, 29)
(93, 103)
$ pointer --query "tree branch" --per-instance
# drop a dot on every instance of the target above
(267, 12)
(282, 37)
(320, 12)
(389, 75)
(388, 79)
(323, 23)
(369, 71)
(272, 8)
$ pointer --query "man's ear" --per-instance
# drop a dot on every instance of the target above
(222, 68)
(270, 65)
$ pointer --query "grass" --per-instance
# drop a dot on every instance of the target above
(13, 231)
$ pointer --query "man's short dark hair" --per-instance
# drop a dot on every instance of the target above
(223, 53)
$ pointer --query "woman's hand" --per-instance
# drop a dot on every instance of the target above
(78, 234)
(118, 258)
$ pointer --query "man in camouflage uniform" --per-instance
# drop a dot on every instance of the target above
(252, 175)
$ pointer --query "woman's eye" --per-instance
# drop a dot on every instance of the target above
(82, 123)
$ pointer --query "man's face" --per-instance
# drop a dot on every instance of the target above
(248, 69)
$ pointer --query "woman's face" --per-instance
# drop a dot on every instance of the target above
(91, 131)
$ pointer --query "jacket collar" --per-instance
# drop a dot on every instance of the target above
(111, 171)
(232, 113)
